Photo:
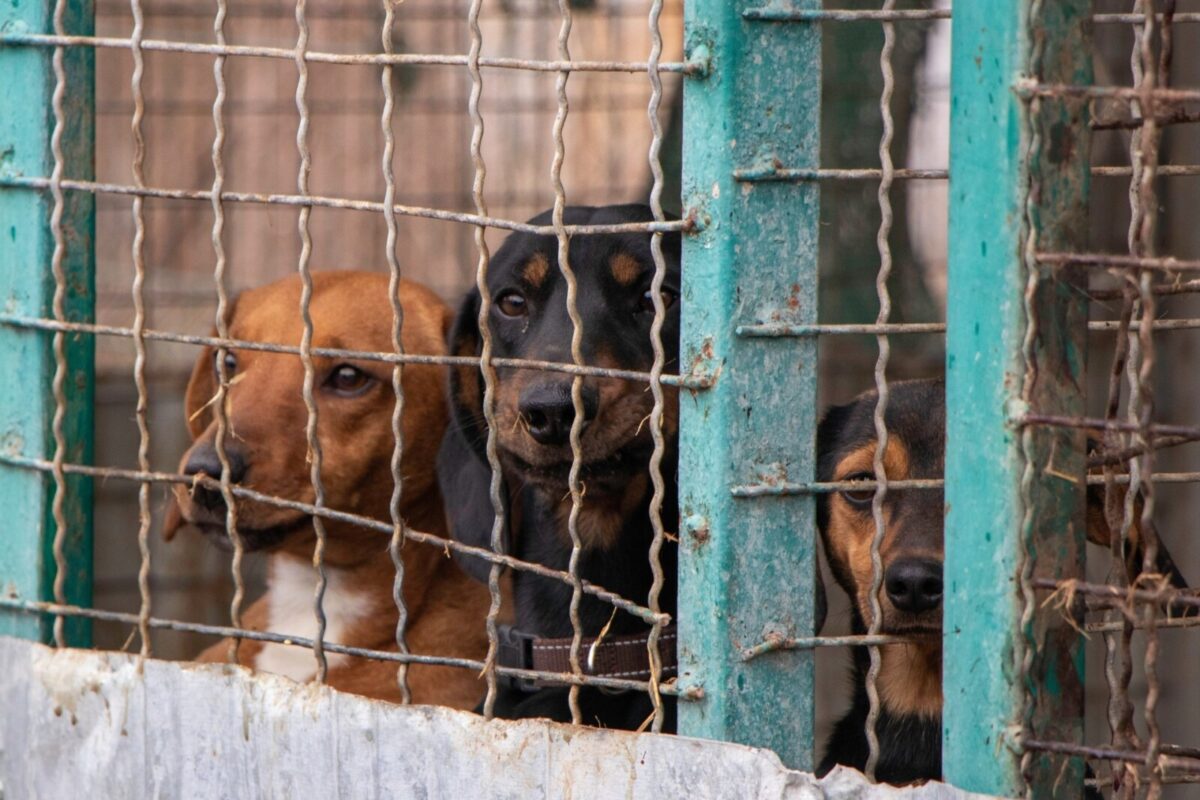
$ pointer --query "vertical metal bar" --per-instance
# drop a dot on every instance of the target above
(881, 432)
(139, 324)
(485, 352)
(221, 322)
(1142, 356)
(306, 339)
(1015, 343)
(656, 370)
(46, 129)
(747, 565)
(564, 266)
(389, 215)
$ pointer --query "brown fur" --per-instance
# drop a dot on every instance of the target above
(625, 268)
(535, 270)
(267, 419)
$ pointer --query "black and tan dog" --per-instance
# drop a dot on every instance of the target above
(534, 412)
(267, 451)
(910, 679)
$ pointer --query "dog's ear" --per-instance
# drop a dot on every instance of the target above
(198, 399)
(464, 474)
(466, 380)
(1099, 532)
(466, 480)
(202, 386)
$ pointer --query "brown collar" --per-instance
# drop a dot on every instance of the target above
(626, 657)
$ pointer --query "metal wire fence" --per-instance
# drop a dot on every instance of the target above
(1122, 463)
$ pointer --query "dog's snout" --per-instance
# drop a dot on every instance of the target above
(549, 411)
(914, 584)
(203, 460)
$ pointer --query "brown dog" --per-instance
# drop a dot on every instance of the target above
(267, 452)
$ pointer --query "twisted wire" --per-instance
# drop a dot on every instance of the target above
(306, 338)
(486, 367)
(389, 202)
(881, 386)
(221, 321)
(656, 370)
(139, 326)
(58, 505)
(564, 265)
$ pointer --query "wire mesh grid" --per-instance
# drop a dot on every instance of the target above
(139, 192)
(1123, 463)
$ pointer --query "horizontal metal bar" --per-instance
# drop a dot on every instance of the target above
(351, 59)
(1028, 89)
(1100, 753)
(566, 679)
(797, 175)
(787, 174)
(780, 13)
(1106, 260)
(1183, 287)
(42, 465)
(1176, 622)
(1138, 19)
(1162, 171)
(1121, 594)
(781, 330)
(374, 207)
(1100, 423)
(687, 382)
(829, 487)
(773, 643)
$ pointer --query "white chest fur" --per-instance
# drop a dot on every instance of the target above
(290, 593)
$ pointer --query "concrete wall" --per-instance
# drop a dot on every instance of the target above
(82, 722)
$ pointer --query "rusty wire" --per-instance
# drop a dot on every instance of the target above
(564, 266)
(396, 545)
(883, 197)
(9, 38)
(486, 364)
(34, 323)
(370, 206)
(327, 513)
(306, 338)
(221, 322)
(1024, 645)
(656, 370)
(556, 678)
(139, 325)
(58, 509)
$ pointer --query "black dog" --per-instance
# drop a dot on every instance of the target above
(534, 413)
(909, 725)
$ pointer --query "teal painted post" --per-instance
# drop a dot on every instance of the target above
(27, 365)
(747, 563)
(1014, 494)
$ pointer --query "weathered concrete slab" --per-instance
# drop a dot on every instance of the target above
(81, 724)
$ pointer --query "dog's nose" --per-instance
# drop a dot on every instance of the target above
(914, 584)
(203, 460)
(549, 411)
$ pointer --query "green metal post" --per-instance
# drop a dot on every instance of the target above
(1014, 494)
(747, 563)
(27, 365)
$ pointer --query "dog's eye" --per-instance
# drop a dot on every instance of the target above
(646, 303)
(860, 497)
(348, 380)
(231, 364)
(512, 304)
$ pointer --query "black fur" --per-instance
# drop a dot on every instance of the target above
(614, 329)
